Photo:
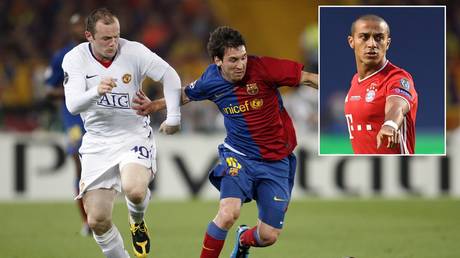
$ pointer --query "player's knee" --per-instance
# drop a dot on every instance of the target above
(135, 195)
(99, 224)
(228, 216)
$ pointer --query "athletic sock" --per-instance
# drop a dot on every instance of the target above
(250, 237)
(111, 243)
(137, 211)
(213, 241)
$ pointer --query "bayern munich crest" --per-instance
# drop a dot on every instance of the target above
(371, 92)
(252, 88)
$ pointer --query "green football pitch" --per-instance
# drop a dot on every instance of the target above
(371, 228)
(425, 144)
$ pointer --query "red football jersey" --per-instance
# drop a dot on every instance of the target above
(365, 110)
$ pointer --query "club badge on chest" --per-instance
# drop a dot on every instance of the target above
(126, 78)
(371, 91)
(252, 88)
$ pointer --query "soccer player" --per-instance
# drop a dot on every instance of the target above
(256, 159)
(72, 124)
(118, 152)
(381, 105)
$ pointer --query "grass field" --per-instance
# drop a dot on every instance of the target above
(374, 228)
(424, 144)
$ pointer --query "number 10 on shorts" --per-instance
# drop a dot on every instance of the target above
(142, 151)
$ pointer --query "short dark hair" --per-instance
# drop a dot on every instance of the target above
(221, 38)
(103, 14)
(368, 17)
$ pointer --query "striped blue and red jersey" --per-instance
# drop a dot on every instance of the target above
(255, 119)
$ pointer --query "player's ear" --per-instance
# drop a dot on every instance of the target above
(217, 61)
(88, 35)
(351, 42)
(388, 43)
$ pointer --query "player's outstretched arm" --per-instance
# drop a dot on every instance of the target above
(309, 79)
(395, 110)
(144, 106)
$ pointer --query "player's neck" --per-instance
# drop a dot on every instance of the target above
(99, 57)
(365, 71)
(224, 75)
(102, 59)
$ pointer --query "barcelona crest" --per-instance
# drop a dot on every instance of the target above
(126, 78)
(233, 171)
(252, 88)
(234, 166)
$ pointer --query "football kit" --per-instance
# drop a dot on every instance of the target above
(116, 135)
(256, 160)
(365, 110)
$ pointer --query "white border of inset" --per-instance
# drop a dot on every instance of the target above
(319, 77)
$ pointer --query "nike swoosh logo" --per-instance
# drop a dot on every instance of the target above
(218, 95)
(276, 199)
(90, 76)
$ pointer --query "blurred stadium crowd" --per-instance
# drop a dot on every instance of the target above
(177, 30)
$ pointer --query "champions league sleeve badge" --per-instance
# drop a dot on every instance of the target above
(405, 83)
(66, 78)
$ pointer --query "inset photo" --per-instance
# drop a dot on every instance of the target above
(382, 80)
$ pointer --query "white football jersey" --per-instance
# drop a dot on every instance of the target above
(110, 116)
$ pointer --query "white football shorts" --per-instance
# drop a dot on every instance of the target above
(102, 160)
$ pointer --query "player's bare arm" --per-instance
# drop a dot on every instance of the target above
(144, 106)
(395, 110)
(309, 79)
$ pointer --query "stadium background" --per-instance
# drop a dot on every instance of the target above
(343, 206)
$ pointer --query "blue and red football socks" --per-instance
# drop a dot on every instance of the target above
(213, 241)
(250, 238)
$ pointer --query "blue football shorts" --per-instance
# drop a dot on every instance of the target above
(269, 183)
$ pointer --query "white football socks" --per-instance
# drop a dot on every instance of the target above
(137, 211)
(111, 243)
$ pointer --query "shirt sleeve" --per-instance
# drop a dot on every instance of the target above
(195, 91)
(282, 72)
(154, 67)
(77, 98)
(151, 64)
(401, 84)
(172, 93)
